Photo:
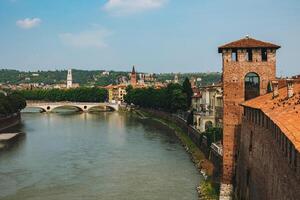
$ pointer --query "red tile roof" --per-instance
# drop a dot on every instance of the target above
(248, 42)
(284, 112)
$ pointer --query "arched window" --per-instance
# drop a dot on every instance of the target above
(252, 83)
(208, 125)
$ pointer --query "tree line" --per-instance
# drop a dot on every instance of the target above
(74, 94)
(93, 77)
(11, 103)
(172, 98)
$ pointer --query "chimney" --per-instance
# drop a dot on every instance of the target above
(290, 88)
(275, 89)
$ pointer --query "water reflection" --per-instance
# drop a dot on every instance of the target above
(96, 156)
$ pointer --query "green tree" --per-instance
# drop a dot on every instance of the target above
(187, 89)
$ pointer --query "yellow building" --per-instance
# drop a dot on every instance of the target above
(116, 93)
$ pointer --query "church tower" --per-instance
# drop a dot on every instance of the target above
(248, 66)
(69, 79)
(133, 77)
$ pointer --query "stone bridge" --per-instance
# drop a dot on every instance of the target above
(82, 106)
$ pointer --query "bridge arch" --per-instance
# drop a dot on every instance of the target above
(105, 107)
(41, 108)
(53, 108)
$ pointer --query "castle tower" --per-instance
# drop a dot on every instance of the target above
(69, 79)
(248, 66)
(133, 78)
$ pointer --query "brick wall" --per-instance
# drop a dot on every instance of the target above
(233, 88)
(264, 170)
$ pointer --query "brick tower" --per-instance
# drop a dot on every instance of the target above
(248, 66)
(133, 77)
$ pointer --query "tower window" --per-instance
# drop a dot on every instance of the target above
(264, 55)
(252, 83)
(234, 56)
(249, 55)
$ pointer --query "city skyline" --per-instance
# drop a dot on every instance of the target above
(155, 35)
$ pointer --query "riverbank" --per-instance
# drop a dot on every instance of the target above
(8, 139)
(207, 189)
(10, 121)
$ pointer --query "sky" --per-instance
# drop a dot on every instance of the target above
(154, 35)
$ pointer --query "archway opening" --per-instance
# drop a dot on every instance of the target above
(100, 109)
(33, 110)
(66, 109)
(252, 83)
(208, 125)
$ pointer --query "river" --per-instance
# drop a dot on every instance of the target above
(103, 156)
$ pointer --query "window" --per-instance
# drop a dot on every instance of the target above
(252, 83)
(264, 55)
(249, 55)
(234, 56)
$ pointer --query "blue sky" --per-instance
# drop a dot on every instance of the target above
(154, 35)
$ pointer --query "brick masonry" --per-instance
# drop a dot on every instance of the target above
(234, 73)
(263, 171)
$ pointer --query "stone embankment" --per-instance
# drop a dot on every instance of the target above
(188, 137)
(6, 139)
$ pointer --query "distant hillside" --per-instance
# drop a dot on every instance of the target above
(93, 77)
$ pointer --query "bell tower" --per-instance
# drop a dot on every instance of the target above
(69, 79)
(133, 78)
(248, 66)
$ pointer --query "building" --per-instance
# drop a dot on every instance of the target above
(208, 107)
(248, 67)
(133, 77)
(116, 93)
(176, 79)
(196, 100)
(269, 145)
(193, 82)
(69, 79)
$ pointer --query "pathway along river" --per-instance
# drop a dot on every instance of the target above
(103, 156)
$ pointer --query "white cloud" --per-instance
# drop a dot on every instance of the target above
(90, 38)
(28, 23)
(123, 7)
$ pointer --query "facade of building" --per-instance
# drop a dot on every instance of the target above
(208, 107)
(116, 93)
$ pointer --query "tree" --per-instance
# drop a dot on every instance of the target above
(12, 103)
(75, 94)
(187, 89)
(170, 99)
(190, 119)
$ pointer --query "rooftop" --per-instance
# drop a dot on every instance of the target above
(248, 42)
(283, 111)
